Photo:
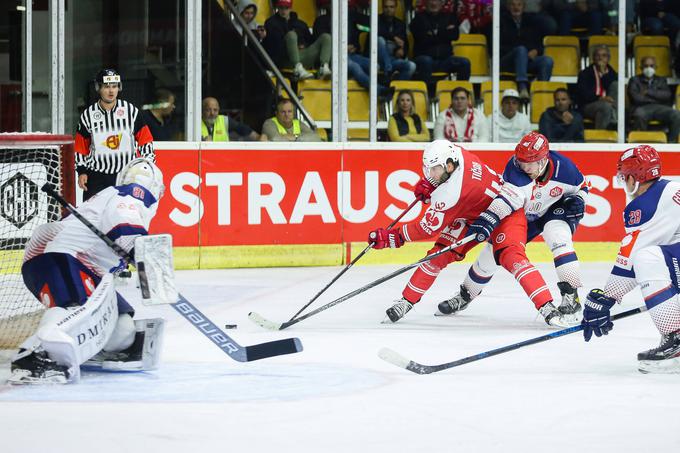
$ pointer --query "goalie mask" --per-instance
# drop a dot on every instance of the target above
(435, 157)
(106, 76)
(145, 173)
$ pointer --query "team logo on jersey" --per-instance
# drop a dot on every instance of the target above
(18, 200)
(500, 238)
(97, 116)
(120, 112)
(556, 192)
(440, 205)
(432, 221)
(113, 141)
(138, 192)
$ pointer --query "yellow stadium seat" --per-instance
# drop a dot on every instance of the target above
(487, 94)
(358, 102)
(399, 13)
(411, 42)
(600, 136)
(264, 11)
(280, 91)
(306, 11)
(612, 42)
(323, 134)
(566, 54)
(473, 47)
(677, 97)
(419, 90)
(647, 137)
(653, 46)
(443, 92)
(357, 135)
(542, 97)
(316, 98)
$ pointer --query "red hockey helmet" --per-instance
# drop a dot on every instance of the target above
(642, 163)
(533, 147)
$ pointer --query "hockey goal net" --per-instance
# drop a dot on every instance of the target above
(27, 162)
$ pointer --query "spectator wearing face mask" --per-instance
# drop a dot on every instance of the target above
(650, 99)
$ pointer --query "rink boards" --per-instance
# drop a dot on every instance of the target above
(262, 204)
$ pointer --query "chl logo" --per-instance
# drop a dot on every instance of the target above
(113, 141)
(18, 200)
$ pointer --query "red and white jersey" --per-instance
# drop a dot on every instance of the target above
(123, 213)
(458, 201)
(651, 219)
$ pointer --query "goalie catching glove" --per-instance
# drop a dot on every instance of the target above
(382, 238)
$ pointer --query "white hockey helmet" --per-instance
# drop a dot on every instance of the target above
(437, 153)
(145, 173)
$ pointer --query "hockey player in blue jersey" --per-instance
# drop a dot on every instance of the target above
(649, 257)
(69, 269)
(551, 192)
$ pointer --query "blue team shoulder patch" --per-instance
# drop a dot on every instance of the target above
(643, 208)
(138, 192)
(565, 170)
(514, 175)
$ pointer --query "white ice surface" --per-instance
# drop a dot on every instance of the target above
(337, 396)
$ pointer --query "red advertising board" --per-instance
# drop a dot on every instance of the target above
(331, 194)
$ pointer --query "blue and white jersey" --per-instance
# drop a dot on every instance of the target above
(520, 191)
(651, 219)
(123, 213)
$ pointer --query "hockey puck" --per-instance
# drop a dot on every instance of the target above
(230, 326)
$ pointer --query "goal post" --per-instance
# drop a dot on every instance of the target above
(27, 162)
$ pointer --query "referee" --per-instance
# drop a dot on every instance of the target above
(111, 133)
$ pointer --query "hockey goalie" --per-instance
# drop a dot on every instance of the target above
(70, 270)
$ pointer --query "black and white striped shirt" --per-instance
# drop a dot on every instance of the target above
(107, 140)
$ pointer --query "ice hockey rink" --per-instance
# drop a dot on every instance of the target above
(338, 396)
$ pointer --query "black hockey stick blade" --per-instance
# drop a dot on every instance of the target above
(273, 348)
(399, 360)
(270, 325)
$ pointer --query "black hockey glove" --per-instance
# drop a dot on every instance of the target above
(482, 228)
(596, 314)
(574, 207)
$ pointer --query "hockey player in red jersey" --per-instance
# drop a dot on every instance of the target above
(544, 194)
(460, 187)
(649, 257)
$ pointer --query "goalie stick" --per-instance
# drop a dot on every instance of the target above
(271, 325)
(397, 359)
(189, 311)
(357, 258)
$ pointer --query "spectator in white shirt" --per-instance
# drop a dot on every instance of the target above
(460, 122)
(512, 124)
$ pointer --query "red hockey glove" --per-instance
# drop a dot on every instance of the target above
(382, 238)
(423, 190)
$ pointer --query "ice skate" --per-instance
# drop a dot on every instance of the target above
(554, 318)
(570, 304)
(398, 310)
(37, 368)
(128, 359)
(457, 303)
(663, 359)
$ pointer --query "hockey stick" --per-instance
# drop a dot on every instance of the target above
(397, 359)
(271, 325)
(363, 252)
(191, 313)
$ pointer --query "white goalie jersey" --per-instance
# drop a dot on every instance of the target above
(123, 213)
(652, 219)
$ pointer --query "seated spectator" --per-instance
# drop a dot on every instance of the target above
(460, 122)
(650, 99)
(284, 127)
(393, 44)
(221, 128)
(659, 14)
(583, 13)
(433, 31)
(560, 124)
(536, 11)
(358, 66)
(475, 16)
(522, 48)
(405, 124)
(512, 124)
(159, 114)
(248, 11)
(597, 90)
(290, 44)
